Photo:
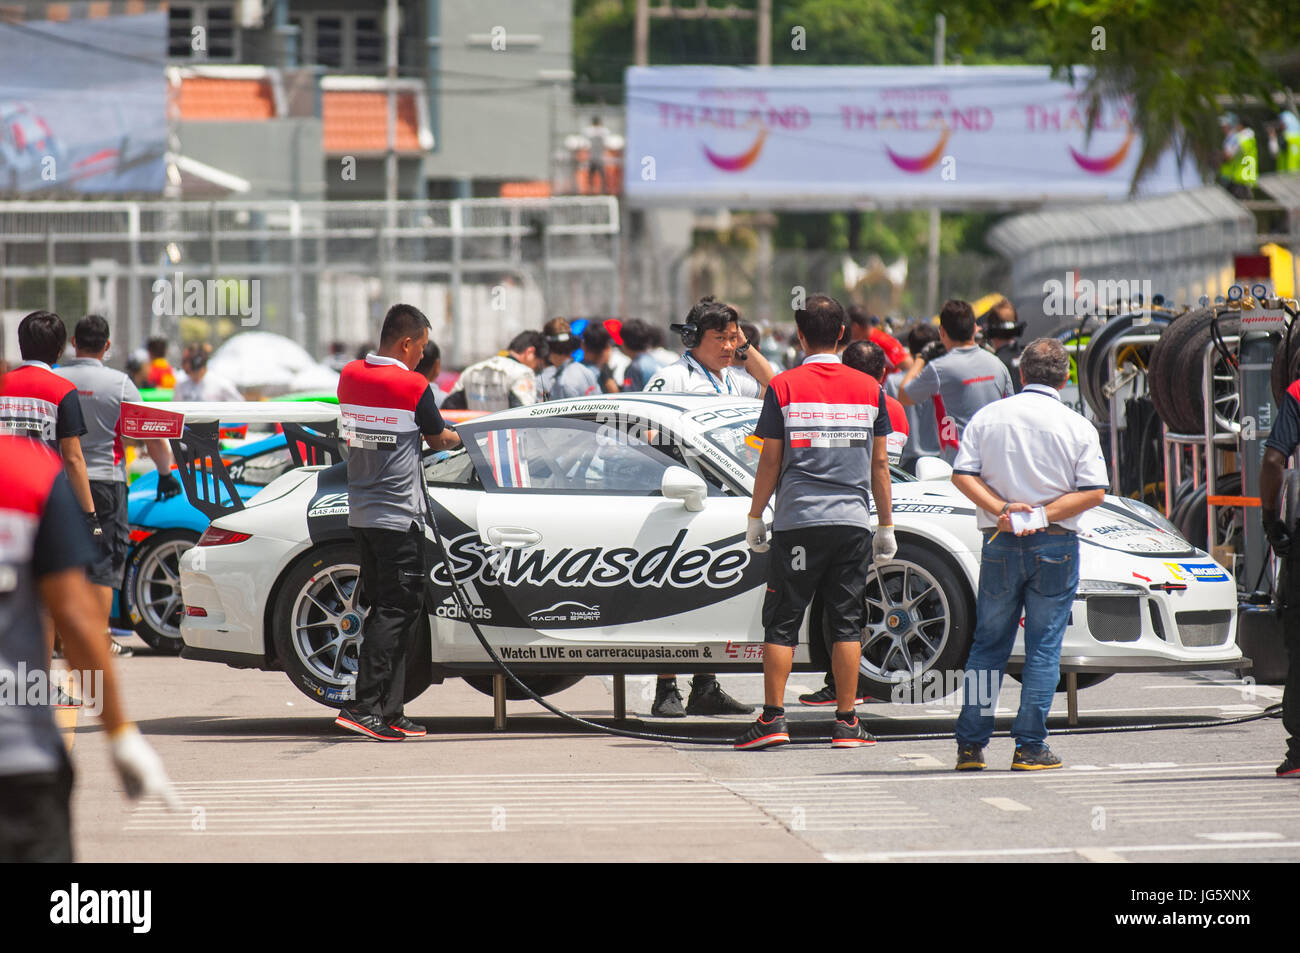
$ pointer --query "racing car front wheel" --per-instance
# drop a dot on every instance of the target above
(318, 624)
(152, 588)
(920, 619)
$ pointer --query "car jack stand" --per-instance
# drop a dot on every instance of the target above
(620, 697)
(498, 702)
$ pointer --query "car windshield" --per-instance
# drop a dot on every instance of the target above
(736, 439)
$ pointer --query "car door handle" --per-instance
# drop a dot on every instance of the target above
(513, 537)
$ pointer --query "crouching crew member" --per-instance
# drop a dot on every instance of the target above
(1279, 447)
(385, 407)
(824, 428)
(1026, 453)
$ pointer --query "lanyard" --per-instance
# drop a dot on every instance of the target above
(703, 370)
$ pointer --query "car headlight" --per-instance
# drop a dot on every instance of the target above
(1152, 515)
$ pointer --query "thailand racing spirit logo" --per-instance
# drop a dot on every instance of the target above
(667, 565)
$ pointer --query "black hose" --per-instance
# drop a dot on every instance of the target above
(1271, 711)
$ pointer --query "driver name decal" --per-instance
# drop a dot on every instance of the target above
(592, 566)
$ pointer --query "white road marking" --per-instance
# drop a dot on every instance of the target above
(922, 760)
(448, 804)
(1143, 764)
(1242, 836)
(1100, 855)
(1005, 804)
(878, 856)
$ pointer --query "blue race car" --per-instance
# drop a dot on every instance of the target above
(150, 598)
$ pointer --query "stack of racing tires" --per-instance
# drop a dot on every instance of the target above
(1175, 375)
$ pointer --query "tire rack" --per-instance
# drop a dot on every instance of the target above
(1115, 403)
(1205, 449)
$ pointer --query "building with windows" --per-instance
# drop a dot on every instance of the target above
(483, 98)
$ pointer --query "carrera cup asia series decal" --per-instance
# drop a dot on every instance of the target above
(587, 586)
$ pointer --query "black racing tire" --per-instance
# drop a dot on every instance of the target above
(1185, 378)
(151, 589)
(1095, 371)
(1282, 376)
(329, 573)
(904, 660)
(1163, 365)
(1085, 679)
(1192, 523)
(542, 685)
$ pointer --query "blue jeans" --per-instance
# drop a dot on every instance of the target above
(1038, 575)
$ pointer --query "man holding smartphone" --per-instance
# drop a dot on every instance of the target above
(1030, 465)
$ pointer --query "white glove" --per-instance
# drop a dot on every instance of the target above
(140, 768)
(883, 545)
(756, 535)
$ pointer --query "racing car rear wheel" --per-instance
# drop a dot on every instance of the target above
(152, 589)
(920, 618)
(318, 624)
(541, 684)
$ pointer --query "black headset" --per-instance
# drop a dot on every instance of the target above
(690, 333)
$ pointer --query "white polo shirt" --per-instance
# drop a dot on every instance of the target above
(1031, 448)
(689, 376)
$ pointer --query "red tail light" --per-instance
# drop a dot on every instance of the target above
(212, 536)
(196, 611)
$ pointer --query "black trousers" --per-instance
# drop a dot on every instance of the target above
(35, 820)
(392, 582)
(1289, 584)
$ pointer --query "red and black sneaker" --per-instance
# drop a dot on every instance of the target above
(826, 696)
(764, 734)
(1290, 768)
(372, 726)
(408, 727)
(851, 734)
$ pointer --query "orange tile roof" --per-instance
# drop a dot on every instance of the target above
(357, 121)
(206, 97)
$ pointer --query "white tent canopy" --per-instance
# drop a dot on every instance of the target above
(270, 363)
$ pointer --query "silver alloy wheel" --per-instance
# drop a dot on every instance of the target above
(908, 621)
(157, 594)
(328, 624)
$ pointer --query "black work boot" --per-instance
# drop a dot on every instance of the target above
(668, 700)
(708, 698)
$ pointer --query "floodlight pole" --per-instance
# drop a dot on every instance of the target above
(932, 254)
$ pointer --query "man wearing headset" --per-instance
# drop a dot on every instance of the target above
(710, 333)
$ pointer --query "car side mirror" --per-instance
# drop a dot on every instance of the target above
(680, 483)
(933, 468)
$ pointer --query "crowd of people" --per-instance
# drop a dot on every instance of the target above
(1029, 464)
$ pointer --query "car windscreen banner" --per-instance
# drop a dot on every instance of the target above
(142, 422)
(83, 101)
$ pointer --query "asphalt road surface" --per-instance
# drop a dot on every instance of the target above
(265, 776)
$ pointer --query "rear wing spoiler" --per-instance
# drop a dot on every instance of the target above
(195, 429)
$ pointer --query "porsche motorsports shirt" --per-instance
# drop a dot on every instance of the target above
(385, 409)
(827, 415)
(41, 532)
(36, 402)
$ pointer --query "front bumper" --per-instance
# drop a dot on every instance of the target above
(1139, 630)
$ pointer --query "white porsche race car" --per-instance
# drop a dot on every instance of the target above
(603, 535)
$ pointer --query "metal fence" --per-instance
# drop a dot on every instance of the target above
(481, 269)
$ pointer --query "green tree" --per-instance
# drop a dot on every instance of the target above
(1178, 59)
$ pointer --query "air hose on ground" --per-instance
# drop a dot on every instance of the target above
(463, 603)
